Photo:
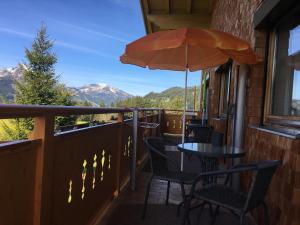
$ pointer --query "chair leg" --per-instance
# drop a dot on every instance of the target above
(183, 199)
(215, 213)
(185, 217)
(211, 210)
(168, 192)
(146, 198)
(242, 219)
(182, 191)
(200, 212)
(266, 214)
(178, 209)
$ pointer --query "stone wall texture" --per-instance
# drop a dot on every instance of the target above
(236, 17)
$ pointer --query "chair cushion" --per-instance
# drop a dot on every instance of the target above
(223, 196)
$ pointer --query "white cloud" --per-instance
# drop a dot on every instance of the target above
(93, 32)
(15, 32)
(76, 47)
(84, 49)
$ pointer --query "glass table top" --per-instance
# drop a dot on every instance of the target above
(208, 150)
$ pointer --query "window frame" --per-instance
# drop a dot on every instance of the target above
(226, 70)
(269, 118)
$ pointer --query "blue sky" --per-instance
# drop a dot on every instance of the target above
(294, 47)
(89, 35)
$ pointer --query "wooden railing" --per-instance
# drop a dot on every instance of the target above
(172, 120)
(71, 177)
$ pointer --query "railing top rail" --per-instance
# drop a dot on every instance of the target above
(13, 147)
(22, 111)
(8, 111)
(147, 109)
(180, 110)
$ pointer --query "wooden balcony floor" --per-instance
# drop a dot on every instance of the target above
(127, 209)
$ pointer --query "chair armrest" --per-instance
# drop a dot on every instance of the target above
(238, 166)
(240, 169)
(171, 161)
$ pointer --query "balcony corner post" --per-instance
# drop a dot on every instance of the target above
(43, 130)
(134, 150)
(159, 121)
(119, 153)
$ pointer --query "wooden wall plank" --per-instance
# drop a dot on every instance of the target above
(17, 171)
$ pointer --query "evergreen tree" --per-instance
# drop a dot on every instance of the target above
(39, 84)
(102, 104)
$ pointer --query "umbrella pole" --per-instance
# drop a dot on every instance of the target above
(184, 109)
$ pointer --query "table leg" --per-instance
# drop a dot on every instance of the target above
(209, 164)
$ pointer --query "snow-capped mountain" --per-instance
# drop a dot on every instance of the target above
(13, 72)
(96, 93)
(7, 77)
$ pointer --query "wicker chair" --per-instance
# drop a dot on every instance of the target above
(159, 162)
(202, 134)
(226, 197)
(217, 138)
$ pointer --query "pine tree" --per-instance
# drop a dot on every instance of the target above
(39, 85)
(102, 104)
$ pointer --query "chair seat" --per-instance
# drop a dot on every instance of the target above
(173, 176)
(222, 196)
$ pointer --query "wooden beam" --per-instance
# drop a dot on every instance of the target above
(168, 7)
(175, 21)
(189, 6)
(146, 11)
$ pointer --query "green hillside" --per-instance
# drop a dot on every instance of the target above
(172, 98)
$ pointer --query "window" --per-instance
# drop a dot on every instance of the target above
(224, 89)
(284, 77)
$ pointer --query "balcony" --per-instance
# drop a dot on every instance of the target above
(73, 177)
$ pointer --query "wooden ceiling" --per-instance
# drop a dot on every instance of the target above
(174, 14)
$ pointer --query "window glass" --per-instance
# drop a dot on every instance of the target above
(224, 92)
(286, 78)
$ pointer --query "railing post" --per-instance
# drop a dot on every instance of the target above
(159, 122)
(134, 150)
(119, 153)
(44, 130)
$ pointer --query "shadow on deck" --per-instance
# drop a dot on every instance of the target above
(127, 209)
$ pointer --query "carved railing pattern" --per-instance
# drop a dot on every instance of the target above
(172, 120)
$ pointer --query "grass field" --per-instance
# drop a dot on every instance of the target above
(6, 126)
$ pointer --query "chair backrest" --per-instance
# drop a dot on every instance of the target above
(260, 183)
(217, 138)
(202, 134)
(196, 121)
(158, 157)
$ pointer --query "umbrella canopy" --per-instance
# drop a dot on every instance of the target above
(187, 48)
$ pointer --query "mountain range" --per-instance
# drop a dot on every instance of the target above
(7, 77)
(93, 93)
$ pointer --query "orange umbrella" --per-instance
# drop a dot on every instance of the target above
(187, 49)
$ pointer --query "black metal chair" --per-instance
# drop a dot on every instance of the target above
(226, 197)
(217, 138)
(159, 162)
(202, 133)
